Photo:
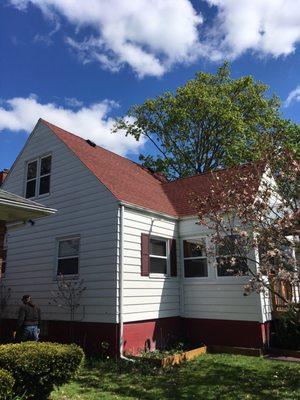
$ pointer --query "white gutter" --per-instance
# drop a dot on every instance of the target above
(161, 214)
(121, 286)
(121, 281)
(148, 210)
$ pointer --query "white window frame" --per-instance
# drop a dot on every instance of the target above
(166, 257)
(62, 239)
(227, 277)
(38, 177)
(32, 179)
(204, 239)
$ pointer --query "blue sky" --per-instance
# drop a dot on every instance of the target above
(79, 63)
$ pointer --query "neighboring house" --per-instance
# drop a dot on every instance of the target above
(15, 210)
(134, 239)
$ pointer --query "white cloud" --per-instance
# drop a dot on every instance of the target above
(153, 35)
(294, 95)
(149, 35)
(268, 27)
(91, 122)
(73, 102)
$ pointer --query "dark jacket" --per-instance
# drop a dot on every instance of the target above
(28, 315)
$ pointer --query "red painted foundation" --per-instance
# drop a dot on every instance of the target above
(89, 335)
(226, 332)
(150, 334)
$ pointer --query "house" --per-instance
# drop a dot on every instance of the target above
(135, 240)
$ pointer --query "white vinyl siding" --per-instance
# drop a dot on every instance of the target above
(147, 297)
(216, 297)
(85, 207)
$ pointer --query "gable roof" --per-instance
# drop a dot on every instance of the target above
(131, 183)
(125, 179)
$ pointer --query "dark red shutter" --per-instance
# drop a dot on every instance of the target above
(173, 257)
(145, 243)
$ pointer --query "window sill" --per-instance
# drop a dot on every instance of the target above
(199, 278)
(66, 277)
(159, 276)
(233, 278)
(41, 196)
(228, 280)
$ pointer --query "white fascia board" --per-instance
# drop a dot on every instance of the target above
(27, 207)
(148, 210)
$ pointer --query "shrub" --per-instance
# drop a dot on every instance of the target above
(38, 367)
(288, 330)
(6, 384)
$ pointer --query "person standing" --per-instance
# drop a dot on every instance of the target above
(29, 320)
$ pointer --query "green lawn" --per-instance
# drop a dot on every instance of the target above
(208, 377)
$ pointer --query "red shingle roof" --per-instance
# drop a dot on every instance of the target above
(134, 184)
(185, 191)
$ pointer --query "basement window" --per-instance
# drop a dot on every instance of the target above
(38, 177)
(68, 256)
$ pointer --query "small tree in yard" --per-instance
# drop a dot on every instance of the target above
(67, 296)
(244, 212)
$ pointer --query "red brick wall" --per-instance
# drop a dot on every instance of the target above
(3, 175)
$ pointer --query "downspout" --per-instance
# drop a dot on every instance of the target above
(121, 286)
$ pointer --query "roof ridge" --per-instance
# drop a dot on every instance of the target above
(103, 148)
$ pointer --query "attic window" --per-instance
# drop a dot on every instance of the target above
(38, 177)
(92, 144)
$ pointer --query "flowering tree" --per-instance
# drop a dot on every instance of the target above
(251, 213)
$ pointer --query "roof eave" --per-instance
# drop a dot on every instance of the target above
(149, 210)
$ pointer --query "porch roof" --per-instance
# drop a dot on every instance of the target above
(14, 208)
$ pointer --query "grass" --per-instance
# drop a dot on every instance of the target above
(209, 377)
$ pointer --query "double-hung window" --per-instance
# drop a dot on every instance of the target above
(68, 256)
(158, 256)
(38, 177)
(195, 258)
(231, 257)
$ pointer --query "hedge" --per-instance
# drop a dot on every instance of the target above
(38, 367)
(6, 384)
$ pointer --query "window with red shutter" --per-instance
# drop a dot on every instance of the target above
(158, 256)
